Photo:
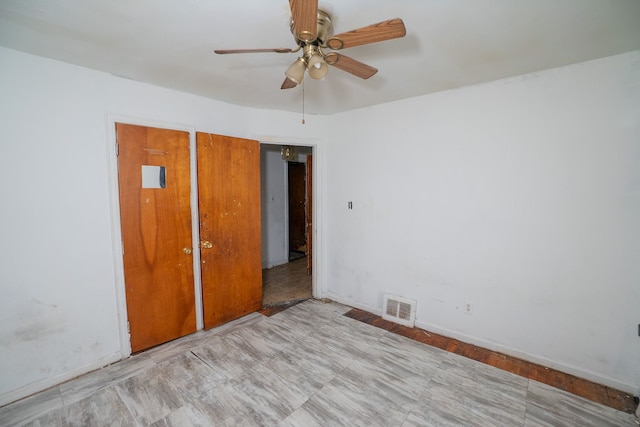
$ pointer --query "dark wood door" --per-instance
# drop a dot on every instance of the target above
(155, 214)
(309, 213)
(229, 205)
(297, 199)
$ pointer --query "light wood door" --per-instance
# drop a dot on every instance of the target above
(155, 213)
(229, 205)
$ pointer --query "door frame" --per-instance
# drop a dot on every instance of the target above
(317, 284)
(116, 226)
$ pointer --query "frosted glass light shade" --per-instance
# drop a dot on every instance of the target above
(317, 67)
(295, 72)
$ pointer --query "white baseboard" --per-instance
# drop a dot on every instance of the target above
(333, 297)
(549, 363)
(42, 385)
(591, 376)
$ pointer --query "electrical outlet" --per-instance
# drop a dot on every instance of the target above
(468, 308)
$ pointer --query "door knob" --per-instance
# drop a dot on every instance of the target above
(186, 250)
(205, 244)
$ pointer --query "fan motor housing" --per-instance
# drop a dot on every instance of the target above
(325, 29)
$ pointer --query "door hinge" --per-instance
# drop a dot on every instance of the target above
(128, 328)
(117, 149)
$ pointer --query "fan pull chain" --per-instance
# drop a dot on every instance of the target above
(302, 101)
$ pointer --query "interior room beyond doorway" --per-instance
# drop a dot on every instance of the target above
(286, 194)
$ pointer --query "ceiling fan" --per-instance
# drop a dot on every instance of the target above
(313, 33)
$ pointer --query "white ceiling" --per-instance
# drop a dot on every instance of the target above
(449, 43)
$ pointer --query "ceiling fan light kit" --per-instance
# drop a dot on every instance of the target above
(313, 31)
(295, 72)
(313, 60)
(317, 67)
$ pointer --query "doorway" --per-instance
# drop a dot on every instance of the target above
(287, 190)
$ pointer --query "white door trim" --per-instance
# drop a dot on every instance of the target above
(318, 286)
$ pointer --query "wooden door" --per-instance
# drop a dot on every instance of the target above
(155, 213)
(309, 213)
(297, 198)
(229, 205)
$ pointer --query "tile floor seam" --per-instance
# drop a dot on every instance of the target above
(126, 404)
(199, 358)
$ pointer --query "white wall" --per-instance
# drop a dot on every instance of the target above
(274, 206)
(521, 196)
(58, 305)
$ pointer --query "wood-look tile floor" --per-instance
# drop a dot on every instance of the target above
(595, 392)
(308, 365)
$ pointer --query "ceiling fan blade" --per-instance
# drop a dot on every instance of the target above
(288, 83)
(276, 50)
(352, 66)
(386, 30)
(305, 19)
